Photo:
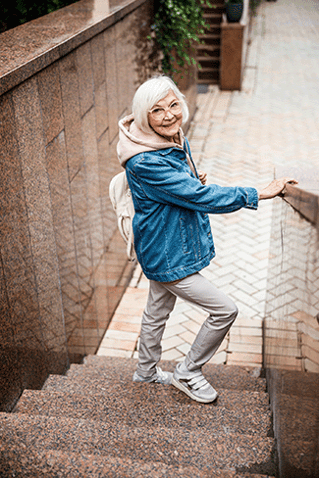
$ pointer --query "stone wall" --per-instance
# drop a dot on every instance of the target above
(291, 327)
(65, 80)
(292, 308)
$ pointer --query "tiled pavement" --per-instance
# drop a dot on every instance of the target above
(238, 138)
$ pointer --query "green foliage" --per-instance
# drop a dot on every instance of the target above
(253, 5)
(17, 12)
(177, 26)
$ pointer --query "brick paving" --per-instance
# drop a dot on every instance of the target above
(238, 138)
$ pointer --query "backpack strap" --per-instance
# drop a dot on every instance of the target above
(122, 202)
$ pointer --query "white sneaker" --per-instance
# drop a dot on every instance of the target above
(165, 378)
(194, 384)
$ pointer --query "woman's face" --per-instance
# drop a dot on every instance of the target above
(166, 116)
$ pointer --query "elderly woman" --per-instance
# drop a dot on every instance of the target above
(172, 235)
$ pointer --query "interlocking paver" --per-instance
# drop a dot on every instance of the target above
(175, 329)
(238, 138)
(171, 342)
(124, 326)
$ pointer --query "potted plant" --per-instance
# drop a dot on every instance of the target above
(234, 10)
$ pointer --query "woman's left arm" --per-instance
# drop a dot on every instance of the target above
(164, 184)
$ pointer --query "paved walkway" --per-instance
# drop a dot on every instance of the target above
(238, 138)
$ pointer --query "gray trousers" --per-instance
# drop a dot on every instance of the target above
(197, 290)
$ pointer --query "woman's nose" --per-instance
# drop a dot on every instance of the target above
(168, 114)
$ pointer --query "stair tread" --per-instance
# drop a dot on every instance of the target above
(205, 81)
(147, 405)
(210, 48)
(206, 69)
(47, 463)
(221, 376)
(213, 36)
(204, 450)
(206, 58)
(97, 384)
(51, 463)
(209, 14)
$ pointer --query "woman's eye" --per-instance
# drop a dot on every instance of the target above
(157, 110)
(173, 105)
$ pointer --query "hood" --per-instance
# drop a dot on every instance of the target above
(133, 140)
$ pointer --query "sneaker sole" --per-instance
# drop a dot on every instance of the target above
(182, 388)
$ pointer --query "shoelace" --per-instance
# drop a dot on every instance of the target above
(198, 382)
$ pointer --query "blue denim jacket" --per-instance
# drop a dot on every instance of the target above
(172, 234)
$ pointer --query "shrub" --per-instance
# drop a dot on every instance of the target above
(177, 26)
(16, 12)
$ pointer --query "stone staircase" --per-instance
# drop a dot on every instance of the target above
(96, 422)
(208, 52)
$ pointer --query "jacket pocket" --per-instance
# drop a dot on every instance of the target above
(185, 239)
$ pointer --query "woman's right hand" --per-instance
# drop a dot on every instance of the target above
(202, 176)
(276, 187)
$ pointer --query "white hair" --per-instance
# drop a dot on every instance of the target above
(148, 94)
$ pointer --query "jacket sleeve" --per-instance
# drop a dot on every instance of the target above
(167, 185)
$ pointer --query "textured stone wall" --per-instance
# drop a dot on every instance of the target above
(292, 306)
(63, 265)
(291, 332)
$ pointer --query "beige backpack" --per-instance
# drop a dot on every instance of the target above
(121, 199)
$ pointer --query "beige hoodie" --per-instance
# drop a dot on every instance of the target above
(133, 140)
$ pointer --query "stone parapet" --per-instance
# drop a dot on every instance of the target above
(65, 81)
(291, 324)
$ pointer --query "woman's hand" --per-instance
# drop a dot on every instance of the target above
(202, 176)
(276, 187)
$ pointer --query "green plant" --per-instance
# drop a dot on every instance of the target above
(253, 4)
(17, 12)
(177, 26)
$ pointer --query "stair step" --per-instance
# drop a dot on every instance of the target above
(221, 376)
(212, 13)
(205, 451)
(208, 76)
(51, 464)
(213, 2)
(148, 406)
(211, 50)
(214, 29)
(205, 70)
(98, 383)
(214, 19)
(211, 81)
(218, 9)
(208, 59)
(210, 35)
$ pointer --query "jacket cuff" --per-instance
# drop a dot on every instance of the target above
(252, 198)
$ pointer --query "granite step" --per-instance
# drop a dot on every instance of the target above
(204, 451)
(52, 464)
(221, 376)
(97, 383)
(148, 406)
